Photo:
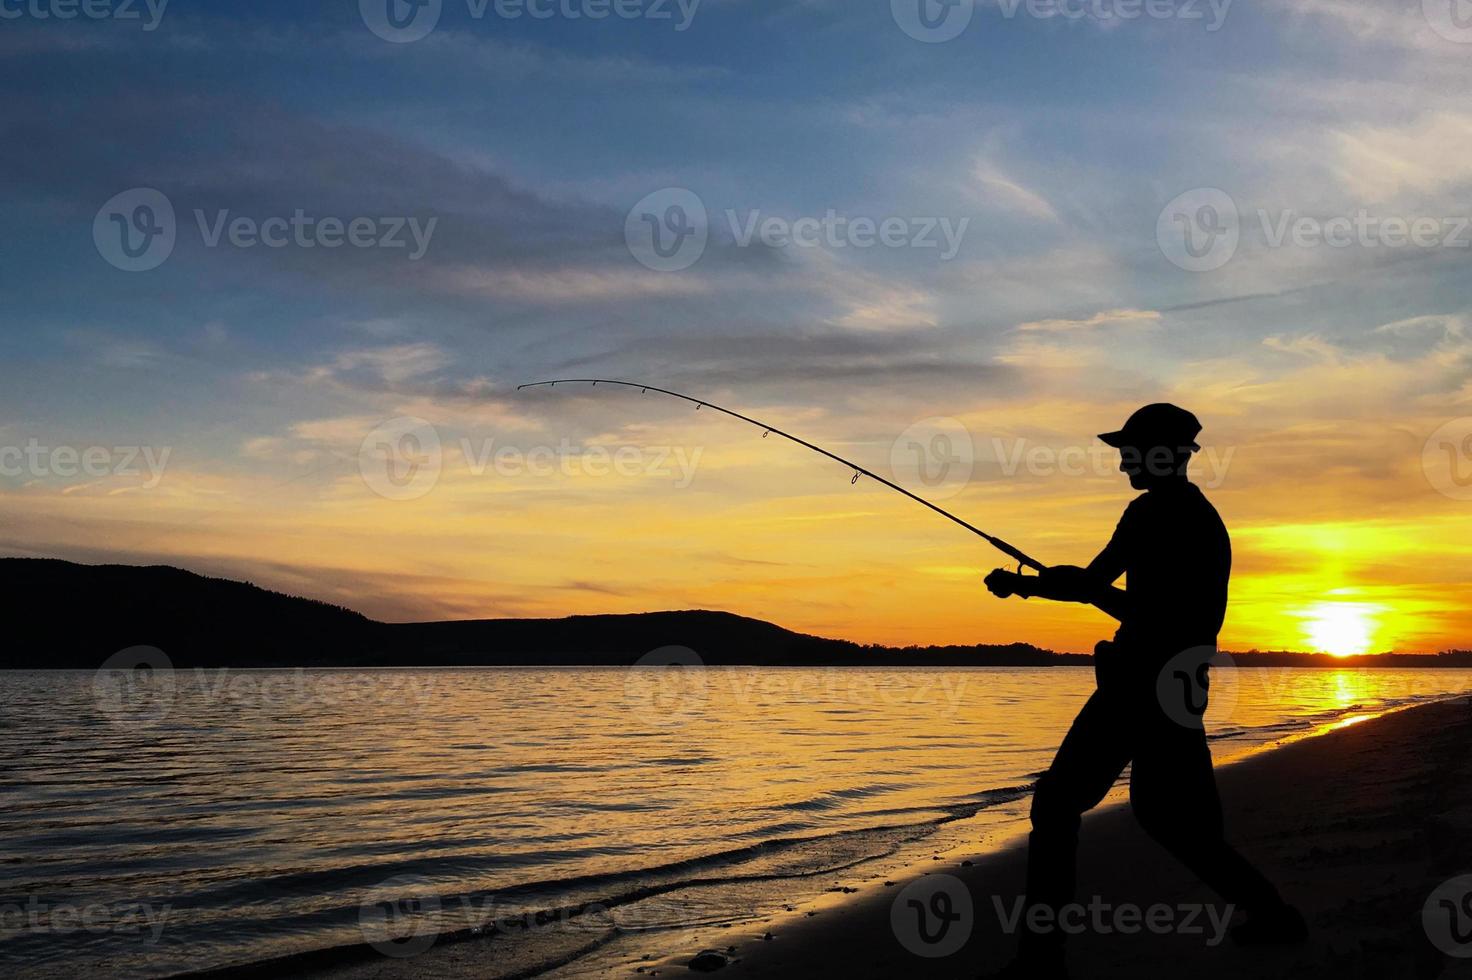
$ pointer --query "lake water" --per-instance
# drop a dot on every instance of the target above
(196, 819)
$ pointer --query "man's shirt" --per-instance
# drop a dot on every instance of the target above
(1175, 553)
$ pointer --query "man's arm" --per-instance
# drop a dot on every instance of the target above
(1063, 583)
(1069, 583)
(1105, 570)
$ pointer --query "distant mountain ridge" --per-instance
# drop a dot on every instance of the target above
(59, 614)
(62, 614)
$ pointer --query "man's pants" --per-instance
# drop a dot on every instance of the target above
(1172, 791)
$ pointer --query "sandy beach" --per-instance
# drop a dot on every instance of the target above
(1358, 825)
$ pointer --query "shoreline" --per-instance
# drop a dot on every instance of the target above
(848, 927)
(1357, 826)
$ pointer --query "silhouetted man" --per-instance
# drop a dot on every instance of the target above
(1174, 551)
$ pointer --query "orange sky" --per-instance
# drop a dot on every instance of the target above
(1314, 458)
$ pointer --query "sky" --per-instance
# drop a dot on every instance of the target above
(272, 273)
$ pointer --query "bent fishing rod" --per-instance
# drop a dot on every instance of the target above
(994, 541)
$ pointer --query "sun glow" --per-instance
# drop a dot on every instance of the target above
(1341, 628)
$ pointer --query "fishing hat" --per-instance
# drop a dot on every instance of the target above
(1160, 424)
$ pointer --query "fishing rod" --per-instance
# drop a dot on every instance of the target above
(995, 542)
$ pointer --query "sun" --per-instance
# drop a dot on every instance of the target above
(1343, 629)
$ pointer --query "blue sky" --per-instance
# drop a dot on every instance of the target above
(1057, 140)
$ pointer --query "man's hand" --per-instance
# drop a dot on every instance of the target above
(1064, 583)
(1002, 583)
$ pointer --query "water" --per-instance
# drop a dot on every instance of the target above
(197, 819)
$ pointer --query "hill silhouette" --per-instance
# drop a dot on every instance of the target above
(64, 615)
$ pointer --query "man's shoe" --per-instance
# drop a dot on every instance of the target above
(1283, 926)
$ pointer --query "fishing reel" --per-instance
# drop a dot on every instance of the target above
(1005, 583)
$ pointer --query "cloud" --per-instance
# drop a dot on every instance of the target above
(1431, 154)
(1004, 192)
(1102, 319)
(487, 57)
(556, 287)
(393, 365)
(1307, 345)
(1445, 324)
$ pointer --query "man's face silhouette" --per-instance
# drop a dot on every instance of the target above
(1149, 468)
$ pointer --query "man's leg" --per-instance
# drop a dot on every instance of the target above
(1092, 755)
(1173, 793)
